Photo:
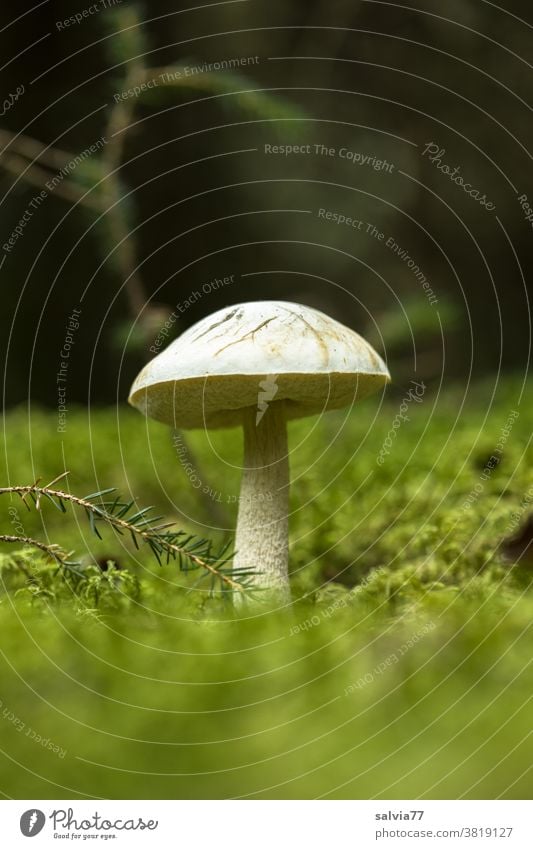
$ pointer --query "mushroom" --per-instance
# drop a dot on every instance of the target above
(259, 365)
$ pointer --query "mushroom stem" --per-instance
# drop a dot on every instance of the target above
(262, 539)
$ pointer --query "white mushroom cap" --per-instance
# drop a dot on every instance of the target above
(212, 371)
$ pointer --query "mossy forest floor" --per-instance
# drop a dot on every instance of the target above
(403, 669)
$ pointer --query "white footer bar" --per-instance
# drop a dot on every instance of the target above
(268, 824)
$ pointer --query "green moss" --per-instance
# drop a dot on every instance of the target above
(401, 672)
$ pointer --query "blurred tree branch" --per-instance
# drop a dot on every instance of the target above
(322, 34)
(39, 177)
(35, 163)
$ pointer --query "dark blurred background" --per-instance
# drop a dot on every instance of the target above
(181, 191)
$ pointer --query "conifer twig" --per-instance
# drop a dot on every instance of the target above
(54, 551)
(176, 545)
